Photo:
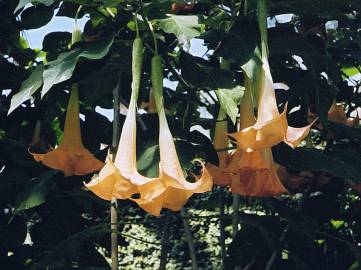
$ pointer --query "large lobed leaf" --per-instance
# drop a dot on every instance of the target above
(28, 88)
(183, 27)
(36, 191)
(342, 164)
(63, 67)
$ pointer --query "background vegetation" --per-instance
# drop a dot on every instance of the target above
(48, 221)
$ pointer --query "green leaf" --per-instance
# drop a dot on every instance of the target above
(36, 192)
(200, 73)
(355, 266)
(28, 88)
(184, 27)
(74, 241)
(229, 100)
(56, 42)
(337, 223)
(252, 66)
(62, 68)
(36, 16)
(342, 164)
(350, 71)
(149, 161)
(239, 44)
(23, 3)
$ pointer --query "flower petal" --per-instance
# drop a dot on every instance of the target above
(220, 178)
(294, 136)
(58, 159)
(70, 162)
(110, 183)
(256, 174)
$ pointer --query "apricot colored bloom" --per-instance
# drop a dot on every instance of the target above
(220, 142)
(253, 173)
(337, 114)
(271, 126)
(71, 156)
(121, 178)
(177, 190)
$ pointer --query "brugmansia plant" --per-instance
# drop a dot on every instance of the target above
(234, 140)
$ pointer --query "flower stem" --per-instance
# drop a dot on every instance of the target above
(222, 234)
(165, 243)
(235, 217)
(189, 238)
(113, 205)
(262, 24)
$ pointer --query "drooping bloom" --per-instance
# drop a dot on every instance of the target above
(253, 173)
(71, 156)
(271, 126)
(337, 114)
(177, 189)
(220, 143)
(121, 178)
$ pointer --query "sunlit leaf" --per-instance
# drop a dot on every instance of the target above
(28, 88)
(184, 27)
(229, 100)
(35, 192)
(62, 68)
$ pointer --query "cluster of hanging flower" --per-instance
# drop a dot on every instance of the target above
(122, 180)
(250, 170)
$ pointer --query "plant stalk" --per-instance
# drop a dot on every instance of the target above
(189, 237)
(235, 217)
(165, 243)
(114, 205)
(222, 233)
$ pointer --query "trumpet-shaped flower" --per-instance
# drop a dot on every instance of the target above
(220, 143)
(177, 189)
(253, 173)
(337, 114)
(271, 126)
(121, 178)
(71, 156)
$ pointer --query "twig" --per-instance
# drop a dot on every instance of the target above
(140, 240)
(189, 237)
(222, 235)
(165, 243)
(235, 217)
(114, 206)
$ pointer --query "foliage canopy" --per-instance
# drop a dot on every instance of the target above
(51, 221)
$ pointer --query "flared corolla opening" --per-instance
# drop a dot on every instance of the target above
(70, 157)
